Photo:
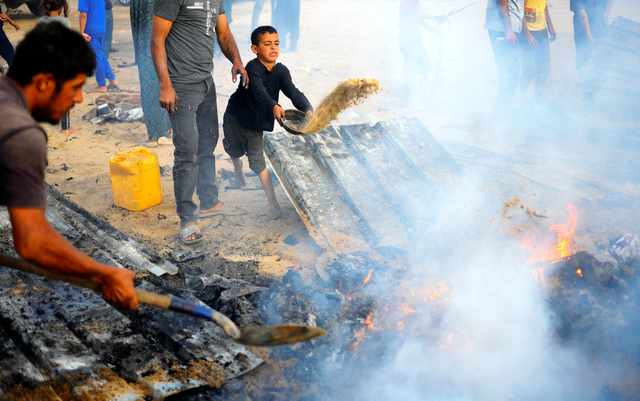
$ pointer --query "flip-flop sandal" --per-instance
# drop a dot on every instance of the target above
(225, 210)
(186, 232)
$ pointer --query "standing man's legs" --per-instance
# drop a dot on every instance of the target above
(257, 9)
(208, 131)
(155, 117)
(185, 139)
(508, 62)
(293, 22)
(108, 37)
(103, 69)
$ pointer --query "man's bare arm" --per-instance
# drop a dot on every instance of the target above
(37, 242)
(82, 19)
(503, 9)
(160, 30)
(5, 17)
(230, 50)
(552, 31)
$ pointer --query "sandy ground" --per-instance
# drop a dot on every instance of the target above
(339, 40)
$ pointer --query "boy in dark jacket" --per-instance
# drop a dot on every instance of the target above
(251, 111)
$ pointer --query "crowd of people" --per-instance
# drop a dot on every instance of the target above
(174, 46)
(520, 32)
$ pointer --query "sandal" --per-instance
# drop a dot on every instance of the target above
(186, 232)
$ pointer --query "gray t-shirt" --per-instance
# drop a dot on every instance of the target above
(23, 151)
(190, 42)
(57, 18)
(494, 21)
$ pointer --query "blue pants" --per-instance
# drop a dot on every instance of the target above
(195, 136)
(103, 69)
(6, 48)
(108, 37)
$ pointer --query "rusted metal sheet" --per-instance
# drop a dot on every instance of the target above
(394, 177)
(614, 64)
(123, 248)
(330, 221)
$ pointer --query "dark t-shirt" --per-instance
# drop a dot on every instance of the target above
(595, 12)
(96, 18)
(253, 107)
(190, 42)
(23, 151)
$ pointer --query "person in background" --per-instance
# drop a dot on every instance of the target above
(590, 20)
(182, 40)
(156, 118)
(504, 22)
(417, 65)
(108, 36)
(255, 17)
(50, 66)
(285, 17)
(58, 10)
(93, 27)
(227, 8)
(6, 48)
(537, 33)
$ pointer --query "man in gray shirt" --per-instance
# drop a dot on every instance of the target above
(504, 20)
(45, 80)
(182, 42)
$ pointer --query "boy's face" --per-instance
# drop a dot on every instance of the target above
(268, 49)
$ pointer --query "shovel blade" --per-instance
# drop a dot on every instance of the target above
(278, 335)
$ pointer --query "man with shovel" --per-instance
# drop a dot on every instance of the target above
(45, 80)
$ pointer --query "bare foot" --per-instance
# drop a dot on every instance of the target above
(217, 207)
(274, 213)
(71, 131)
(195, 236)
(99, 89)
(238, 176)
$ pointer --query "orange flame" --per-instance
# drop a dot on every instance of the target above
(565, 245)
(579, 272)
(366, 280)
(406, 310)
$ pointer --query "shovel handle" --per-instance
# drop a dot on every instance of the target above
(189, 308)
(149, 298)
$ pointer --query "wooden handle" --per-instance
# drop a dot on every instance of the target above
(149, 298)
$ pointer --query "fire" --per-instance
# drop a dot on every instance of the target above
(366, 280)
(579, 272)
(406, 310)
(563, 248)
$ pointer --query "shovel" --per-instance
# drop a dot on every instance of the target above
(256, 336)
(295, 121)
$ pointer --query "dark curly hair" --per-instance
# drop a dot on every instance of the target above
(53, 49)
(51, 5)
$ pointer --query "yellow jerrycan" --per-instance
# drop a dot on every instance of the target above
(135, 178)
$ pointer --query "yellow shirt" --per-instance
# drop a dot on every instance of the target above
(534, 14)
